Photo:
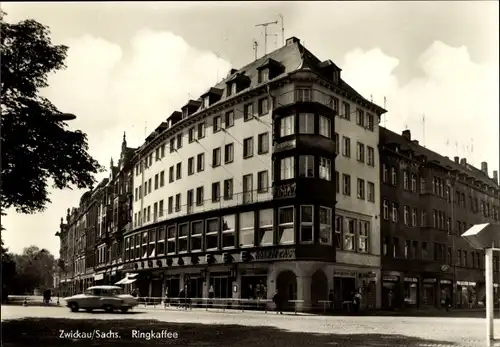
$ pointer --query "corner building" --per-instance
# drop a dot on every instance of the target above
(237, 190)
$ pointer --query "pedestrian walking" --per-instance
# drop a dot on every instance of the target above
(166, 302)
(278, 301)
(357, 301)
(211, 295)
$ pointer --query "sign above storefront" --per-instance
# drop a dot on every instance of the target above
(411, 279)
(344, 273)
(430, 280)
(389, 278)
(275, 254)
(445, 282)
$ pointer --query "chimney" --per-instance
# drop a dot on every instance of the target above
(495, 176)
(407, 134)
(463, 161)
(292, 40)
(484, 167)
(457, 159)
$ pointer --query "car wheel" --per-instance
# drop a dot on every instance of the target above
(74, 307)
(124, 309)
(108, 308)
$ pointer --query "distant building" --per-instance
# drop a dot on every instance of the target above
(428, 202)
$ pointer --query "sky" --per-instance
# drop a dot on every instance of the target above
(131, 64)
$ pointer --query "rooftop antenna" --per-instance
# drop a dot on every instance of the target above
(255, 46)
(265, 33)
(423, 129)
(385, 114)
(282, 30)
(371, 97)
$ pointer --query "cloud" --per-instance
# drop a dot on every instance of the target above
(458, 97)
(112, 90)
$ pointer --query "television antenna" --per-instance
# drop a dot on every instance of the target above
(282, 30)
(265, 25)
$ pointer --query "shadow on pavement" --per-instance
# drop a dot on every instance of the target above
(46, 332)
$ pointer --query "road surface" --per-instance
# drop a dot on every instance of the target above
(412, 331)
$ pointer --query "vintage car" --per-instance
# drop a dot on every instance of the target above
(108, 298)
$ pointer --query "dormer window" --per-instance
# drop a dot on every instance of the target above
(336, 76)
(206, 102)
(233, 88)
(263, 75)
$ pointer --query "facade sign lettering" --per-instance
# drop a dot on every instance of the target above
(285, 190)
(278, 254)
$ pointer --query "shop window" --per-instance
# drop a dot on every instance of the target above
(247, 227)
(286, 230)
(196, 235)
(160, 245)
(183, 238)
(212, 234)
(228, 229)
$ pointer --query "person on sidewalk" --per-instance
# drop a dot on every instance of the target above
(166, 302)
(278, 301)
(356, 301)
(330, 298)
(211, 295)
(447, 303)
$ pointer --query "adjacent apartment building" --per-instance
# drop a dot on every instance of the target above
(428, 202)
(236, 191)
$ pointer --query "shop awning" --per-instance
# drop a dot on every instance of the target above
(129, 280)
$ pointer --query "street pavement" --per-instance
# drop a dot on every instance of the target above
(437, 331)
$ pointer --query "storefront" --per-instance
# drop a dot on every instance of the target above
(344, 285)
(466, 294)
(446, 290)
(411, 292)
(253, 286)
(172, 286)
(429, 290)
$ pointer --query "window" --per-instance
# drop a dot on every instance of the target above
(263, 75)
(263, 106)
(394, 212)
(325, 127)
(385, 173)
(336, 105)
(248, 147)
(228, 229)
(217, 123)
(423, 218)
(162, 151)
(191, 134)
(183, 237)
(215, 191)
(170, 204)
(201, 130)
(228, 153)
(360, 152)
(286, 230)
(212, 234)
(190, 166)
(228, 189)
(325, 169)
(346, 150)
(306, 224)
(145, 188)
(262, 181)
(172, 145)
(265, 232)
(162, 178)
(337, 182)
(325, 225)
(157, 154)
(406, 181)
(413, 183)
(303, 94)
(287, 168)
(150, 186)
(361, 189)
(157, 182)
(371, 156)
(406, 215)
(363, 234)
(371, 192)
(306, 166)
(287, 126)
(196, 235)
(349, 234)
(414, 217)
(200, 162)
(360, 117)
(248, 112)
(177, 203)
(160, 209)
(155, 212)
(190, 200)
(216, 157)
(346, 184)
(394, 178)
(247, 227)
(247, 189)
(179, 140)
(199, 196)
(306, 123)
(347, 111)
(263, 143)
(229, 119)
(337, 143)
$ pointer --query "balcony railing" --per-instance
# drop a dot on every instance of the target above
(303, 95)
(237, 199)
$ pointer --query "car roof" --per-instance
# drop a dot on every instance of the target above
(104, 287)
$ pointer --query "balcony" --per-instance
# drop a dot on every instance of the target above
(322, 101)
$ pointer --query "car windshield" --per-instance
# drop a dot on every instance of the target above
(98, 291)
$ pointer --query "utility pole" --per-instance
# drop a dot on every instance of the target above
(265, 33)
(282, 30)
